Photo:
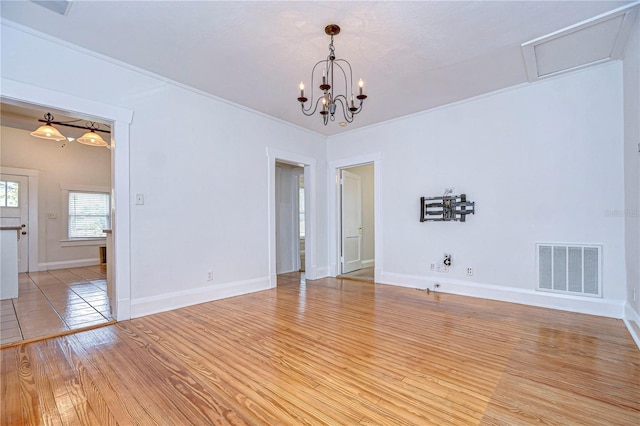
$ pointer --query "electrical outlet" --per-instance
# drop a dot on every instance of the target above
(469, 270)
(210, 275)
(432, 267)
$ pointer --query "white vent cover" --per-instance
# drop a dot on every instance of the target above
(58, 6)
(570, 269)
(599, 39)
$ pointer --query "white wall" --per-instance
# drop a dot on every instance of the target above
(75, 164)
(631, 211)
(201, 164)
(542, 162)
(368, 232)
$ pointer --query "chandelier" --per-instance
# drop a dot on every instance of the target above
(49, 132)
(334, 92)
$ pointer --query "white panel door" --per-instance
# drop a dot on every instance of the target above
(351, 222)
(14, 211)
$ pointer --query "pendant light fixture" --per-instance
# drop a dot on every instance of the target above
(47, 131)
(338, 92)
(90, 138)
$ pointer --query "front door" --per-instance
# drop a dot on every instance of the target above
(14, 211)
(351, 221)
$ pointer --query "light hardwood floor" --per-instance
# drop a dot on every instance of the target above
(55, 302)
(332, 352)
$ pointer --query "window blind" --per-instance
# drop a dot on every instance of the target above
(88, 214)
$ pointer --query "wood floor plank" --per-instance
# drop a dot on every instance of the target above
(226, 375)
(388, 355)
(30, 398)
(72, 405)
(112, 399)
(47, 387)
(278, 379)
(330, 352)
(169, 376)
(213, 370)
(10, 403)
(88, 398)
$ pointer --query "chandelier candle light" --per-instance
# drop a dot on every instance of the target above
(329, 100)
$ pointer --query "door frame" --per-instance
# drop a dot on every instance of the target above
(309, 165)
(32, 178)
(333, 202)
(15, 92)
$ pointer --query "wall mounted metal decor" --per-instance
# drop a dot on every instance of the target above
(446, 208)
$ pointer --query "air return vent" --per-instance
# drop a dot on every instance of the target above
(58, 6)
(600, 39)
(570, 269)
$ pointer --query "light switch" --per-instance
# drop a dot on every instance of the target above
(51, 216)
(140, 199)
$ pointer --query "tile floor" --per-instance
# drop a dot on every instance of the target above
(54, 302)
(364, 274)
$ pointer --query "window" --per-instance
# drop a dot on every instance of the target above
(9, 192)
(88, 214)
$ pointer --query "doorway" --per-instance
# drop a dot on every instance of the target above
(357, 223)
(18, 93)
(62, 285)
(334, 222)
(308, 165)
(290, 218)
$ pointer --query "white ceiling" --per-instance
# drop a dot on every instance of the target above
(413, 56)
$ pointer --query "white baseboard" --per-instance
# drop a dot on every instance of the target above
(632, 321)
(180, 299)
(78, 263)
(320, 272)
(273, 280)
(583, 305)
(368, 262)
(332, 270)
(123, 310)
(287, 272)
